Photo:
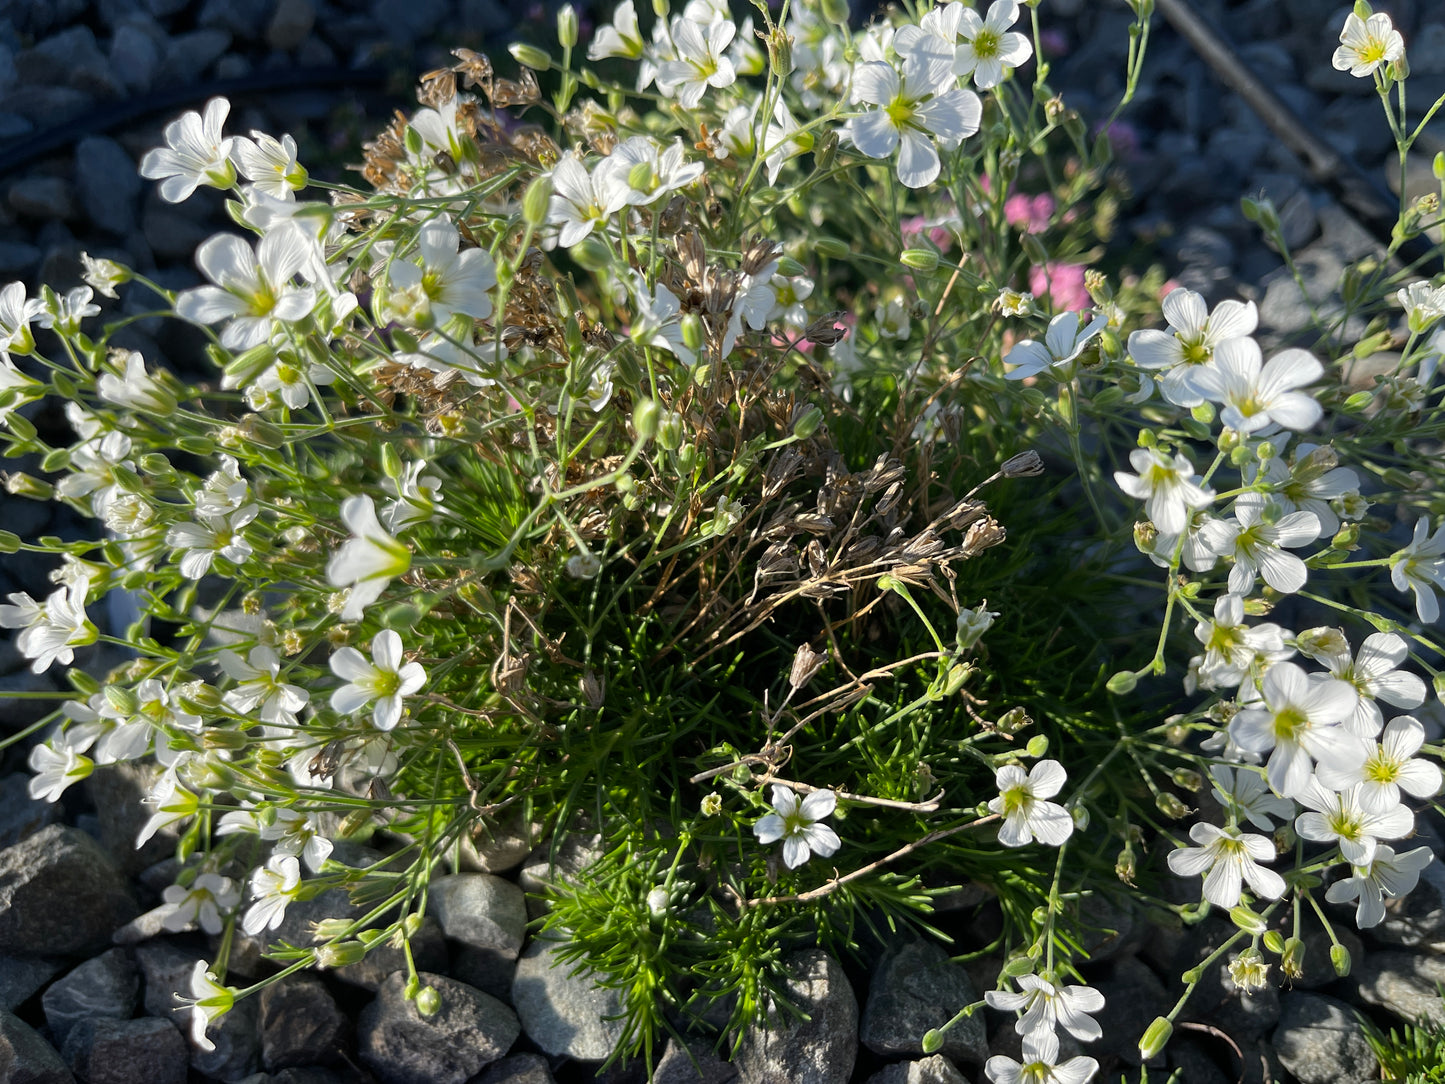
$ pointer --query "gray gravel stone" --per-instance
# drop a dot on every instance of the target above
(523, 1069)
(117, 791)
(144, 1051)
(166, 970)
(188, 55)
(238, 1046)
(70, 58)
(916, 988)
(43, 197)
(45, 104)
(1417, 920)
(428, 951)
(17, 257)
(694, 1063)
(1133, 995)
(296, 927)
(1401, 982)
(106, 987)
(469, 1032)
(290, 24)
(244, 18)
(500, 847)
(564, 1014)
(1320, 1041)
(108, 184)
(26, 1058)
(933, 1070)
(300, 1023)
(22, 976)
(59, 863)
(134, 57)
(821, 1049)
(1318, 971)
(480, 910)
(20, 814)
(409, 20)
(545, 866)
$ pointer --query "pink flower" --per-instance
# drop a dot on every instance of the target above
(1030, 213)
(1064, 284)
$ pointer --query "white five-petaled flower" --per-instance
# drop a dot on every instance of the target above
(270, 164)
(1021, 804)
(1311, 484)
(1257, 394)
(1365, 44)
(417, 496)
(202, 903)
(64, 312)
(16, 313)
(915, 106)
(1193, 336)
(56, 769)
(1065, 340)
(199, 541)
(54, 628)
(1244, 793)
(1375, 675)
(620, 38)
(987, 48)
(260, 687)
(1256, 542)
(795, 822)
(136, 389)
(1339, 817)
(1229, 859)
(446, 282)
(575, 207)
(1168, 487)
(251, 289)
(1386, 876)
(368, 561)
(1231, 647)
(195, 153)
(1298, 723)
(639, 171)
(1420, 567)
(1046, 1006)
(1389, 768)
(273, 886)
(384, 680)
(209, 1000)
(699, 62)
(1040, 1064)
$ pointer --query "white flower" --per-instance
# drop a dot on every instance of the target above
(103, 275)
(448, 281)
(658, 320)
(1046, 1006)
(915, 106)
(299, 834)
(1254, 540)
(224, 490)
(201, 903)
(273, 886)
(384, 680)
(621, 38)
(195, 154)
(1423, 305)
(1337, 816)
(261, 687)
(172, 804)
(137, 389)
(1229, 859)
(1365, 44)
(1299, 723)
(1386, 876)
(1420, 567)
(1389, 768)
(1311, 484)
(699, 62)
(209, 1001)
(575, 206)
(1256, 395)
(1193, 336)
(368, 561)
(784, 140)
(893, 319)
(1040, 1064)
(639, 172)
(271, 165)
(987, 47)
(795, 822)
(16, 313)
(1063, 342)
(1021, 804)
(973, 623)
(55, 770)
(252, 289)
(1244, 793)
(200, 541)
(60, 626)
(1374, 675)
(1231, 647)
(1168, 487)
(417, 496)
(65, 313)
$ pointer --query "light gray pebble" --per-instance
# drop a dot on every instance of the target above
(819, 1048)
(480, 910)
(914, 989)
(564, 1013)
(1320, 1041)
(932, 1070)
(1402, 983)
(467, 1033)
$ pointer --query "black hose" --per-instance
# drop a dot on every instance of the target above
(1366, 199)
(17, 153)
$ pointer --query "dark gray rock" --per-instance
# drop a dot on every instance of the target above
(1402, 983)
(915, 989)
(522, 1069)
(1318, 970)
(21, 713)
(694, 1063)
(21, 977)
(20, 814)
(1133, 997)
(243, 18)
(407, 21)
(44, 103)
(401, 1046)
(26, 1058)
(161, 8)
(59, 863)
(17, 257)
(933, 1070)
(480, 910)
(496, 848)
(819, 1049)
(70, 58)
(565, 1014)
(556, 862)
(1417, 920)
(171, 234)
(485, 970)
(166, 971)
(300, 1023)
(106, 987)
(428, 951)
(117, 791)
(144, 1051)
(1320, 1041)
(134, 57)
(291, 22)
(108, 184)
(234, 1035)
(189, 55)
(43, 197)
(297, 927)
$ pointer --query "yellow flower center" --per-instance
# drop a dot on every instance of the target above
(900, 111)
(986, 45)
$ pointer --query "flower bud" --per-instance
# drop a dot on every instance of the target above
(1274, 941)
(711, 804)
(657, 902)
(692, 331)
(1038, 745)
(567, 26)
(428, 1001)
(806, 423)
(832, 247)
(645, 418)
(1246, 920)
(1340, 959)
(1293, 962)
(1017, 966)
(1024, 465)
(539, 192)
(529, 56)
(920, 259)
(1122, 683)
(661, 8)
(1155, 1038)
(21, 484)
(932, 1041)
(340, 954)
(1171, 806)
(640, 177)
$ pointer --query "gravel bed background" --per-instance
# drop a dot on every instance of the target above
(85, 88)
